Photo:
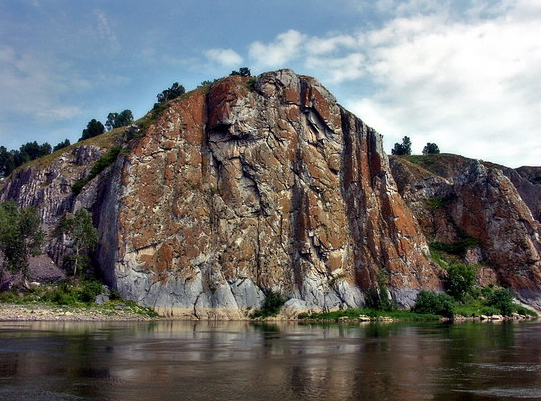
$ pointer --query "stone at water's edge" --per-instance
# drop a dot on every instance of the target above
(236, 192)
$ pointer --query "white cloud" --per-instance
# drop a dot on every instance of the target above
(341, 69)
(285, 48)
(105, 30)
(465, 78)
(226, 57)
(30, 88)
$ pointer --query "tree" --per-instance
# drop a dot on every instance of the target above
(62, 145)
(174, 91)
(7, 162)
(93, 128)
(460, 280)
(82, 235)
(431, 149)
(429, 302)
(243, 72)
(404, 148)
(502, 299)
(21, 236)
(117, 120)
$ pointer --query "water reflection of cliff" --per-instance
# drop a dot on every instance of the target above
(272, 361)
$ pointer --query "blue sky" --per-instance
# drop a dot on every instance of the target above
(463, 74)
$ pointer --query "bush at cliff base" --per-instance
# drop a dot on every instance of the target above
(434, 303)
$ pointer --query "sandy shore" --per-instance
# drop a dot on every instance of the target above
(31, 312)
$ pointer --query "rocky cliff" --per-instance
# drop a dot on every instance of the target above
(254, 185)
(491, 211)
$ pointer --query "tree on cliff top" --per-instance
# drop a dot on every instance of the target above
(174, 91)
(431, 149)
(117, 120)
(243, 72)
(93, 128)
(21, 236)
(403, 148)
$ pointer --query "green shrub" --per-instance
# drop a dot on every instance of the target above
(101, 164)
(456, 248)
(460, 280)
(250, 84)
(89, 291)
(502, 300)
(521, 310)
(271, 306)
(430, 302)
(436, 202)
(379, 299)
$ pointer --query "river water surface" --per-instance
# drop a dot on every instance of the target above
(273, 361)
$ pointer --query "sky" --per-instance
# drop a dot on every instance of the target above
(465, 74)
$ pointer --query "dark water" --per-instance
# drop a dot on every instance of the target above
(284, 361)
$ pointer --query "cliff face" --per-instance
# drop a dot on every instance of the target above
(241, 191)
(456, 198)
(246, 186)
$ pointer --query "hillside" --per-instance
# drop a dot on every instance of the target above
(249, 186)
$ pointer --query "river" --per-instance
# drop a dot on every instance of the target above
(173, 360)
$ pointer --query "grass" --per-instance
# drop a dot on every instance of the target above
(101, 164)
(75, 293)
(354, 313)
(106, 140)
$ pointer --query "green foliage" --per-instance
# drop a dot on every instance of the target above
(460, 280)
(434, 303)
(243, 72)
(354, 313)
(117, 120)
(250, 84)
(403, 148)
(456, 248)
(378, 298)
(62, 145)
(431, 149)
(502, 300)
(93, 128)
(10, 160)
(77, 293)
(83, 236)
(271, 306)
(436, 202)
(521, 310)
(173, 92)
(101, 164)
(21, 236)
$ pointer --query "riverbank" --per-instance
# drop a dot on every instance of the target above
(43, 312)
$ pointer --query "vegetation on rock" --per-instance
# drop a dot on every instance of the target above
(431, 149)
(81, 236)
(173, 92)
(21, 236)
(243, 72)
(103, 162)
(117, 120)
(271, 306)
(93, 128)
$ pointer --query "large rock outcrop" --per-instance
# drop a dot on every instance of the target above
(241, 188)
(238, 191)
(454, 197)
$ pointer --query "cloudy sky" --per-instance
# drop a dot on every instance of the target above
(465, 74)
